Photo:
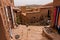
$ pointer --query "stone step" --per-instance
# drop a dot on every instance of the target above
(51, 34)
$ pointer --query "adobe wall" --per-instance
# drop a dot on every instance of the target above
(2, 30)
(8, 3)
(4, 25)
(56, 2)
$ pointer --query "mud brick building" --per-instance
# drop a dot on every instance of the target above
(5, 10)
(55, 22)
(28, 13)
(56, 2)
(32, 14)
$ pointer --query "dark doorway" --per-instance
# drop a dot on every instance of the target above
(10, 16)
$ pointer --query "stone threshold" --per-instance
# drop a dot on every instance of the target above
(51, 34)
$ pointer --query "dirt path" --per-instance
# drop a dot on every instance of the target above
(29, 33)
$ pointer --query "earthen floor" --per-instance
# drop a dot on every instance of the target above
(28, 33)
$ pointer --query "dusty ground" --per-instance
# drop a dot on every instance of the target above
(28, 33)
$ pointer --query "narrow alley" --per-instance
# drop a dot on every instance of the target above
(29, 20)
